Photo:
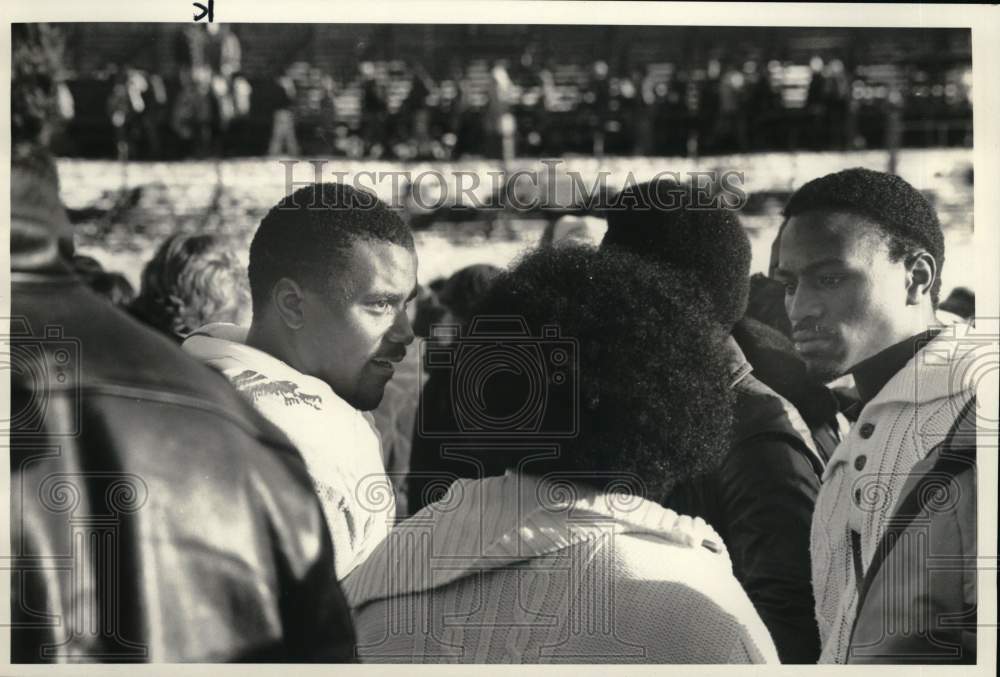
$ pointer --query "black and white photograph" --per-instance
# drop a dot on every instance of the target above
(501, 332)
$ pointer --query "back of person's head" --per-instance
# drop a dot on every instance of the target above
(40, 230)
(961, 302)
(662, 220)
(466, 288)
(891, 204)
(114, 287)
(572, 229)
(310, 231)
(86, 266)
(630, 358)
(767, 303)
(192, 280)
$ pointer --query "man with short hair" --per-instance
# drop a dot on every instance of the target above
(331, 272)
(760, 496)
(860, 256)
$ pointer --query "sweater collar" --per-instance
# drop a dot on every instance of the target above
(491, 523)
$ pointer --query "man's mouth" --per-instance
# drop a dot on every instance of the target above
(811, 342)
(387, 362)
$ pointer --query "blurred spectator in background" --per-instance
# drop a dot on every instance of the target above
(191, 281)
(763, 106)
(283, 139)
(374, 112)
(731, 122)
(416, 107)
(579, 531)
(760, 495)
(960, 306)
(499, 125)
(572, 229)
(552, 135)
(428, 309)
(767, 303)
(816, 100)
(596, 105)
(125, 107)
(837, 101)
(114, 287)
(459, 297)
(459, 122)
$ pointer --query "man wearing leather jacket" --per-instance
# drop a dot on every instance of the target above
(155, 516)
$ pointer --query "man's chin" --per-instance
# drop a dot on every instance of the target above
(824, 371)
(368, 401)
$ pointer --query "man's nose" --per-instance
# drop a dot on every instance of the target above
(801, 305)
(401, 330)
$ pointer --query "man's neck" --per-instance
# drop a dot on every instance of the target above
(268, 341)
(873, 373)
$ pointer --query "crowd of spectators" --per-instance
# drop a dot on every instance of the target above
(524, 106)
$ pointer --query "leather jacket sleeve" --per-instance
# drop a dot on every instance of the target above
(155, 515)
(768, 491)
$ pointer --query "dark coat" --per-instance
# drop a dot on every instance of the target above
(155, 516)
(760, 501)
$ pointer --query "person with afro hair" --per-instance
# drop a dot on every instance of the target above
(596, 372)
(760, 495)
(860, 255)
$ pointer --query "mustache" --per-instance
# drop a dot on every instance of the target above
(812, 327)
(392, 355)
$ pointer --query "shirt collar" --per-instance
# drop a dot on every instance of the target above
(872, 375)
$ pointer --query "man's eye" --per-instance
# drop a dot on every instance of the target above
(789, 288)
(381, 306)
(830, 281)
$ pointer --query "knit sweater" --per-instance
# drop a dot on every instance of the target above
(863, 481)
(515, 569)
(340, 445)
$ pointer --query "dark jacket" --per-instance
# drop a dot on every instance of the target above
(154, 515)
(917, 602)
(761, 502)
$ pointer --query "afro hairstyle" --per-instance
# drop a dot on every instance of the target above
(649, 366)
(661, 219)
(309, 232)
(894, 206)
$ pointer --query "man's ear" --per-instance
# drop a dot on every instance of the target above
(921, 271)
(287, 298)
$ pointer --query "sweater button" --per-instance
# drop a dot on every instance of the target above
(857, 497)
(859, 462)
(866, 430)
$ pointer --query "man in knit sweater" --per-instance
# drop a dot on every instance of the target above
(331, 272)
(860, 256)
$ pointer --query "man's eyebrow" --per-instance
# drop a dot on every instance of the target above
(812, 267)
(387, 296)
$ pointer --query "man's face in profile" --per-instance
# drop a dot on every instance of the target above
(357, 329)
(845, 298)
